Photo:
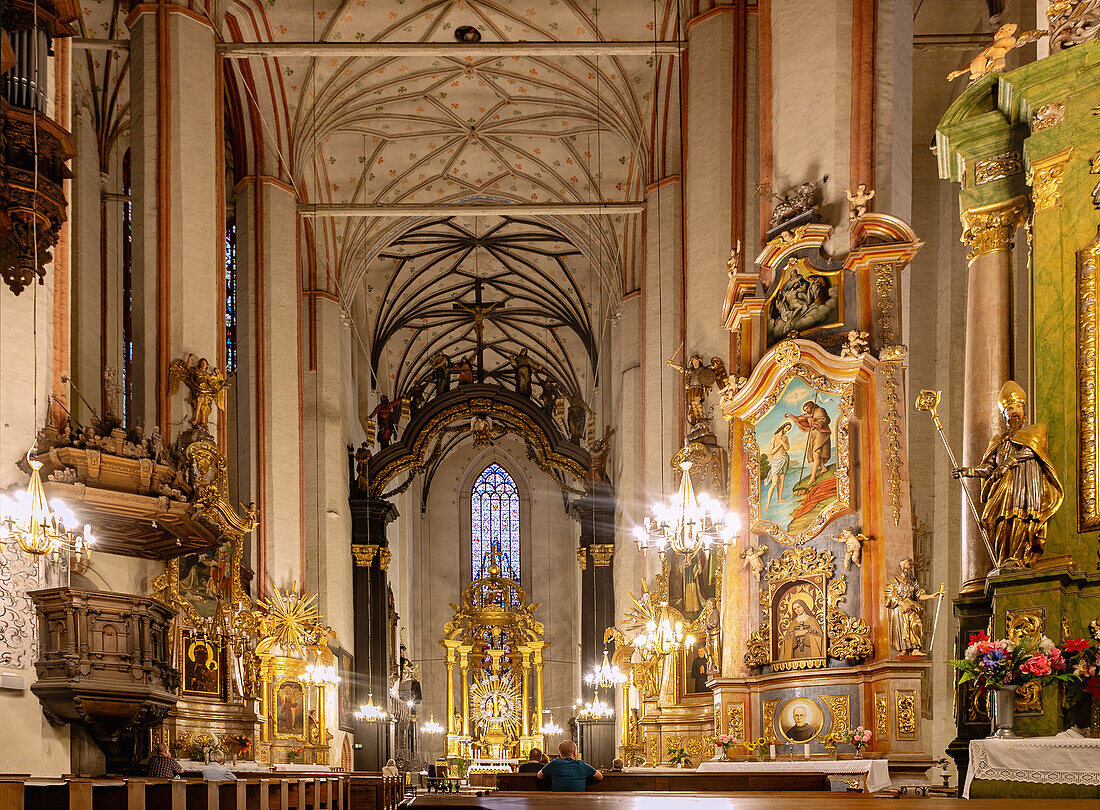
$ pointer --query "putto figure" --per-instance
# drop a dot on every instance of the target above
(992, 59)
(1020, 488)
(853, 546)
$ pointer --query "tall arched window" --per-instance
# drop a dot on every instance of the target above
(494, 520)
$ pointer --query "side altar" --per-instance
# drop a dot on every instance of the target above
(812, 621)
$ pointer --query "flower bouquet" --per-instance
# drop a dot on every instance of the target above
(203, 750)
(759, 747)
(293, 754)
(829, 742)
(1082, 656)
(727, 742)
(1004, 665)
(858, 738)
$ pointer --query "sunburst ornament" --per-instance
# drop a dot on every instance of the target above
(292, 621)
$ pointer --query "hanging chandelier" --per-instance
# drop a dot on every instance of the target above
(688, 523)
(549, 728)
(38, 527)
(321, 675)
(661, 637)
(595, 709)
(370, 713)
(605, 676)
(431, 727)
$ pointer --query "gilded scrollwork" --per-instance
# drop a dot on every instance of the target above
(1045, 179)
(1088, 379)
(905, 714)
(769, 709)
(892, 437)
(997, 167)
(839, 711)
(735, 720)
(1048, 115)
(802, 636)
(882, 715)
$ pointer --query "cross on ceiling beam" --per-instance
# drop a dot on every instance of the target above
(469, 210)
(459, 50)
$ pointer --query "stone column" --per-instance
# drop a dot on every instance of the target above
(596, 514)
(178, 247)
(368, 541)
(269, 397)
(988, 233)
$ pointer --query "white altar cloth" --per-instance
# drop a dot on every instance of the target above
(1041, 760)
(875, 773)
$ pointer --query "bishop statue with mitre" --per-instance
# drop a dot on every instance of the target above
(1020, 489)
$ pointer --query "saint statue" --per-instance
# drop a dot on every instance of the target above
(524, 366)
(803, 638)
(598, 452)
(1020, 489)
(904, 598)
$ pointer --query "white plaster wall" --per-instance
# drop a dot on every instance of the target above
(442, 568)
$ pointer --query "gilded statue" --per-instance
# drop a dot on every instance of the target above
(853, 542)
(205, 383)
(904, 600)
(699, 379)
(992, 59)
(733, 267)
(1020, 489)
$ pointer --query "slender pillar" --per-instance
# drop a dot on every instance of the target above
(523, 669)
(368, 539)
(988, 233)
(450, 692)
(464, 666)
(596, 514)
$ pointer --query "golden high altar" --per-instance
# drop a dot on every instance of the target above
(497, 644)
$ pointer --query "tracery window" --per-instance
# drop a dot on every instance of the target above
(494, 520)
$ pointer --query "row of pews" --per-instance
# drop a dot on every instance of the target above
(326, 790)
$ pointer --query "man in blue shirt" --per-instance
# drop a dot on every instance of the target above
(567, 773)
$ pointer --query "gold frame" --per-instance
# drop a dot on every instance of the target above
(1088, 378)
(823, 384)
(801, 265)
(278, 681)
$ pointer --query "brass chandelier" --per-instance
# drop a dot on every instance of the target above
(605, 676)
(662, 637)
(688, 522)
(38, 527)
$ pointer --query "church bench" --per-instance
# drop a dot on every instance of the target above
(687, 781)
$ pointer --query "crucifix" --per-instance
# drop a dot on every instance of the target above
(477, 311)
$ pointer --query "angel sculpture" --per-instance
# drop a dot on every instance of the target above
(206, 383)
(853, 546)
(856, 344)
(858, 202)
(754, 559)
(992, 59)
(698, 381)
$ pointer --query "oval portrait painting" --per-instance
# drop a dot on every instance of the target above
(800, 720)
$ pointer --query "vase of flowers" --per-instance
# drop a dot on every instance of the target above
(829, 742)
(1082, 656)
(727, 742)
(1005, 665)
(757, 747)
(943, 764)
(294, 753)
(858, 738)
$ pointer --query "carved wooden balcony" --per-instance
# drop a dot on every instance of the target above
(104, 660)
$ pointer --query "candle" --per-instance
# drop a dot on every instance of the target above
(806, 750)
(771, 751)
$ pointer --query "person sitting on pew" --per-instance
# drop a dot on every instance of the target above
(216, 770)
(616, 766)
(567, 773)
(533, 763)
(390, 769)
(162, 765)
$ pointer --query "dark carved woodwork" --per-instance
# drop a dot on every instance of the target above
(104, 661)
(51, 16)
(20, 204)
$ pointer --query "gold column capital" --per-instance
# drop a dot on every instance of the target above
(990, 228)
(1045, 178)
(601, 554)
(364, 554)
(384, 557)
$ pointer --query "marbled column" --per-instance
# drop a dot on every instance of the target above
(988, 233)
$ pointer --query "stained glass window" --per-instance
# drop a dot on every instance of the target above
(494, 521)
(230, 295)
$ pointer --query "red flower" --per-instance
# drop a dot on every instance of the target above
(1075, 644)
(979, 636)
(1092, 686)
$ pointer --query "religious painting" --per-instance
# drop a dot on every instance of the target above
(696, 668)
(800, 720)
(692, 582)
(796, 441)
(290, 711)
(798, 619)
(804, 300)
(201, 666)
(344, 695)
(206, 578)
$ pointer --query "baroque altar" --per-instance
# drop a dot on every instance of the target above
(497, 646)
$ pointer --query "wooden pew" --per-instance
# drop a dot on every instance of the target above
(686, 781)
